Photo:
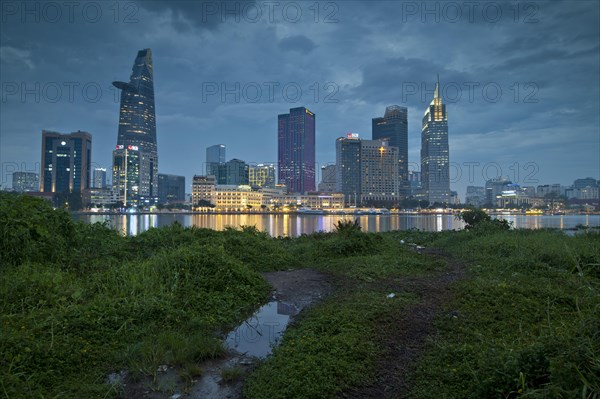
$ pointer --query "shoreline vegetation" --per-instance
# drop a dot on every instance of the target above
(502, 313)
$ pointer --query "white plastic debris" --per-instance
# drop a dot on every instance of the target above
(401, 241)
(391, 295)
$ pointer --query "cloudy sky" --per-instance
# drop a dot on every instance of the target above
(521, 79)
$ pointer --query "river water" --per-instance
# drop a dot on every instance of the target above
(293, 225)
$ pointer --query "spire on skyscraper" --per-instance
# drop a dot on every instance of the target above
(436, 94)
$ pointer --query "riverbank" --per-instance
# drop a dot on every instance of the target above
(470, 314)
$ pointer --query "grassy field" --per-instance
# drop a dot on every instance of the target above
(78, 302)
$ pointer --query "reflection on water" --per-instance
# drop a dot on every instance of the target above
(295, 225)
(257, 335)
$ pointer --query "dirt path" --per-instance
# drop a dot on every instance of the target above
(404, 337)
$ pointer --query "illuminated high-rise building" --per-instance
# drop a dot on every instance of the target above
(379, 173)
(348, 171)
(296, 150)
(435, 163)
(261, 175)
(137, 127)
(393, 127)
(126, 174)
(66, 162)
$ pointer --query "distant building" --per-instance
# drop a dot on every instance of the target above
(99, 178)
(296, 150)
(348, 169)
(545, 190)
(25, 182)
(66, 162)
(203, 188)
(237, 198)
(231, 198)
(215, 156)
(435, 163)
(493, 188)
(261, 175)
(414, 179)
(171, 188)
(237, 173)
(328, 179)
(454, 198)
(393, 128)
(379, 173)
(475, 196)
(585, 182)
(587, 193)
(98, 197)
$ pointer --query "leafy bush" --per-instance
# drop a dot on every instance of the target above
(477, 219)
(30, 230)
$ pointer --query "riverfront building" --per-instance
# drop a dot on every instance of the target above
(66, 162)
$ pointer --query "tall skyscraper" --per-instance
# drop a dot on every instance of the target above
(296, 150)
(215, 156)
(99, 178)
(348, 172)
(393, 128)
(435, 164)
(137, 127)
(66, 162)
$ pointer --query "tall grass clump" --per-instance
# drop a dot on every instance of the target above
(80, 301)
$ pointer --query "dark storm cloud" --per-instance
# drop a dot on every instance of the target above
(203, 14)
(298, 43)
(366, 56)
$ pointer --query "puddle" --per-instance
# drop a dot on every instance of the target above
(257, 335)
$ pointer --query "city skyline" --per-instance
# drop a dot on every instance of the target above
(530, 128)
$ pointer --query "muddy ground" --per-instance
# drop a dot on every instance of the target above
(297, 288)
(403, 336)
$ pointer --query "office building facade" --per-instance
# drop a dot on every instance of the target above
(328, 179)
(25, 182)
(393, 128)
(171, 188)
(348, 169)
(215, 156)
(99, 178)
(126, 175)
(379, 173)
(66, 162)
(261, 175)
(296, 150)
(435, 162)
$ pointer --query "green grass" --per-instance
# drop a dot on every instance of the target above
(528, 324)
(333, 347)
(79, 301)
